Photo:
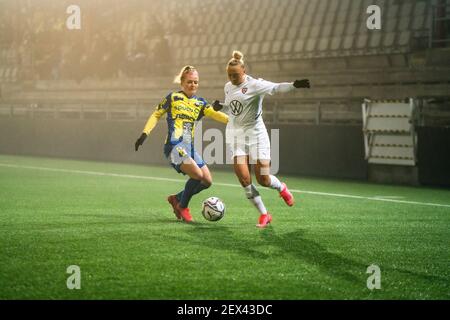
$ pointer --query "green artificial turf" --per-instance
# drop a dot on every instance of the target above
(121, 232)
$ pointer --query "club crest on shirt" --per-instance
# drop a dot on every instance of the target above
(244, 90)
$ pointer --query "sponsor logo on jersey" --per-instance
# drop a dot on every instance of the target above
(184, 117)
(187, 108)
(236, 107)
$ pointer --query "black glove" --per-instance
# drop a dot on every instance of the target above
(140, 141)
(302, 84)
(217, 106)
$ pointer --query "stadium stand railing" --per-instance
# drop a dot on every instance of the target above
(326, 41)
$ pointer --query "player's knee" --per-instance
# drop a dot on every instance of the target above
(207, 182)
(263, 180)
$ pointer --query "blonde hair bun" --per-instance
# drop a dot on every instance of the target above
(238, 55)
(237, 59)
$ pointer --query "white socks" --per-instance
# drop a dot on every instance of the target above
(254, 197)
(275, 183)
(258, 203)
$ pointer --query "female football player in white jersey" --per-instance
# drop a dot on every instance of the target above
(246, 134)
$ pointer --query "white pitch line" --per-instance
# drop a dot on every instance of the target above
(389, 197)
(372, 198)
(107, 174)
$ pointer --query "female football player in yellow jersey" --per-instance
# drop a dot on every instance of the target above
(183, 108)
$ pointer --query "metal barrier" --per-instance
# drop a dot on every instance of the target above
(279, 111)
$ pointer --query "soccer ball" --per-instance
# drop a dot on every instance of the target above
(213, 209)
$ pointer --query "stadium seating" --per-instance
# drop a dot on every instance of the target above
(308, 29)
(326, 41)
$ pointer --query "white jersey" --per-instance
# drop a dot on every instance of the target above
(243, 103)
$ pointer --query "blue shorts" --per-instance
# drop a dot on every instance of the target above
(176, 154)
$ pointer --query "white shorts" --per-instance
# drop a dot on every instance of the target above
(253, 142)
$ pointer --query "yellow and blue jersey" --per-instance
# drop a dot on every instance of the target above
(182, 113)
